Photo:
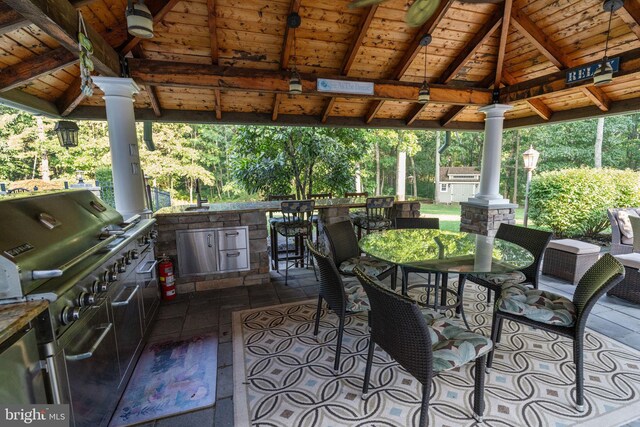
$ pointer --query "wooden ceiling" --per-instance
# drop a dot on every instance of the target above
(227, 61)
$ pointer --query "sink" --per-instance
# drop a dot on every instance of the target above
(197, 209)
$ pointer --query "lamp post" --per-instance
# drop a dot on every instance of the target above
(530, 158)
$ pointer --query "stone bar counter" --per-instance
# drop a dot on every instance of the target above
(247, 223)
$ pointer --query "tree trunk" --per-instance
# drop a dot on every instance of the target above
(436, 190)
(378, 177)
(598, 148)
(415, 177)
(44, 165)
(379, 191)
(358, 178)
(401, 172)
(515, 168)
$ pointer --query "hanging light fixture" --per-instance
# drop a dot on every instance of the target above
(139, 19)
(424, 94)
(295, 84)
(67, 133)
(604, 72)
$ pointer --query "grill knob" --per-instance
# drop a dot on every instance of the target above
(99, 286)
(112, 275)
(135, 254)
(147, 240)
(127, 258)
(122, 266)
(69, 314)
(86, 299)
(154, 234)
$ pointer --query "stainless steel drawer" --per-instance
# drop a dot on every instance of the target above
(232, 238)
(233, 260)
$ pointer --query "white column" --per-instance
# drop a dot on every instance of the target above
(489, 192)
(128, 183)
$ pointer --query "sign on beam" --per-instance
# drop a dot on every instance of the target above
(342, 86)
(586, 72)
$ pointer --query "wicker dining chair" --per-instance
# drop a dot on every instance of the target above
(343, 297)
(346, 253)
(377, 217)
(557, 314)
(273, 234)
(296, 225)
(535, 241)
(423, 342)
(353, 214)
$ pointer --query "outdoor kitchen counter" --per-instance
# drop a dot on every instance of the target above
(14, 317)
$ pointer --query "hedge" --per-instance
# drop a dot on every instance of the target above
(574, 202)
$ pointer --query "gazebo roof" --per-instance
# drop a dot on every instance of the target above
(227, 61)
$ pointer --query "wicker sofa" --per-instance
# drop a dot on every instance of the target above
(620, 244)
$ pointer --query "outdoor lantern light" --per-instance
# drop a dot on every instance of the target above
(139, 20)
(530, 158)
(604, 72)
(67, 133)
(424, 94)
(295, 85)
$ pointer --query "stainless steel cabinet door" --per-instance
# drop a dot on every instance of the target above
(147, 280)
(196, 252)
(127, 320)
(20, 374)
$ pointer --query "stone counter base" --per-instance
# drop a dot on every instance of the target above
(485, 220)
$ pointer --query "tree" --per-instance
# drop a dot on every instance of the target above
(598, 147)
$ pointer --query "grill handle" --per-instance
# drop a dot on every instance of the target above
(94, 347)
(84, 255)
(45, 274)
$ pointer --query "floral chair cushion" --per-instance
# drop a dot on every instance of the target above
(357, 299)
(537, 305)
(372, 223)
(454, 345)
(503, 279)
(370, 266)
(291, 229)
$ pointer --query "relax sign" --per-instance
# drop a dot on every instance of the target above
(586, 72)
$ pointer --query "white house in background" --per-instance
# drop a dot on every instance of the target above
(457, 184)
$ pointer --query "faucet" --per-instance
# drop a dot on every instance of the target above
(199, 200)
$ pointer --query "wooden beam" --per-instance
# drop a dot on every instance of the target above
(71, 98)
(276, 106)
(356, 43)
(26, 71)
(59, 19)
(218, 100)
(451, 115)
(471, 48)
(179, 74)
(211, 18)
(556, 83)
(18, 99)
(10, 20)
(158, 8)
(598, 97)
(630, 14)
(502, 47)
(287, 42)
(153, 100)
(373, 110)
(536, 37)
(327, 110)
(415, 113)
(536, 105)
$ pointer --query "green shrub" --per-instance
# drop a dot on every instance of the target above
(574, 202)
(103, 175)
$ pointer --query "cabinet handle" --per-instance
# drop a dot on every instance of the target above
(209, 240)
(237, 233)
(94, 347)
(128, 300)
(150, 269)
(233, 255)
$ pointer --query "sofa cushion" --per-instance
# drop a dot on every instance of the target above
(574, 246)
(631, 260)
(625, 224)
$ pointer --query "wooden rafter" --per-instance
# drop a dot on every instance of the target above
(137, 52)
(630, 14)
(35, 67)
(59, 19)
(415, 113)
(276, 105)
(502, 47)
(471, 48)
(11, 20)
(556, 83)
(347, 62)
(159, 9)
(218, 102)
(412, 51)
(213, 37)
(179, 74)
(451, 115)
(71, 98)
(536, 105)
(598, 97)
(287, 42)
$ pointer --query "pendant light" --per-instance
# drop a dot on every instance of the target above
(604, 72)
(67, 133)
(424, 94)
(139, 19)
(295, 84)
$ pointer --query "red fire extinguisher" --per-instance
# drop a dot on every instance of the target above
(167, 280)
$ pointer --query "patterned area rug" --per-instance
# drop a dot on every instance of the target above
(284, 376)
(170, 378)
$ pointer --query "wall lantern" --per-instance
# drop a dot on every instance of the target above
(67, 133)
(139, 19)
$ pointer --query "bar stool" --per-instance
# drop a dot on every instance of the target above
(377, 217)
(360, 212)
(314, 217)
(296, 224)
(273, 235)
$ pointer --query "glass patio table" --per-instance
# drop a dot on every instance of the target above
(445, 252)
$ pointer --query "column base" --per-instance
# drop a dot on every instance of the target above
(485, 220)
(489, 202)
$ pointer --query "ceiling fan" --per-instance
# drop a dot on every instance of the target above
(419, 11)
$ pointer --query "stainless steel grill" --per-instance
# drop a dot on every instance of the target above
(98, 273)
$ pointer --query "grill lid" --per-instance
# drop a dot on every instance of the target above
(46, 232)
